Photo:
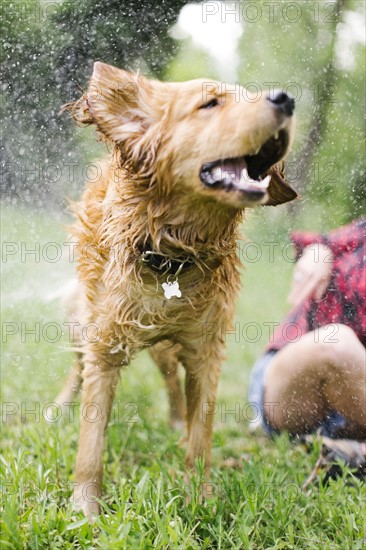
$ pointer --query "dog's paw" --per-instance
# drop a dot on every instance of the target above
(200, 492)
(82, 500)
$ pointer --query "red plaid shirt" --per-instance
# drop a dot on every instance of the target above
(344, 300)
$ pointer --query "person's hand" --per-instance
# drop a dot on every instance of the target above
(312, 274)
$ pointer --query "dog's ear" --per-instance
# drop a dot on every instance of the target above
(279, 190)
(121, 104)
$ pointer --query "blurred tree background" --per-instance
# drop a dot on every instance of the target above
(47, 55)
(315, 49)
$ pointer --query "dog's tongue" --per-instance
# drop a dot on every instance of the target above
(234, 172)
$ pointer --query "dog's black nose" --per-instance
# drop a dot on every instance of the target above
(282, 101)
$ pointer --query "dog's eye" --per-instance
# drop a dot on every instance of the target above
(212, 103)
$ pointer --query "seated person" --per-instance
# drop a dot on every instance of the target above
(313, 374)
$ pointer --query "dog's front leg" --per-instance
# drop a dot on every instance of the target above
(202, 376)
(99, 384)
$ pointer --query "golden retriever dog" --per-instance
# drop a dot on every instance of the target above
(156, 238)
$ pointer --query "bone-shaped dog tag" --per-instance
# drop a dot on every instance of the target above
(171, 289)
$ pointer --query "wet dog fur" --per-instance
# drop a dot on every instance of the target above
(158, 193)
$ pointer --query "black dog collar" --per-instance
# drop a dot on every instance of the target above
(164, 264)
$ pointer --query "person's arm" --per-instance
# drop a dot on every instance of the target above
(316, 255)
(312, 274)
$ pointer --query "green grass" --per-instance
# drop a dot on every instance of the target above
(259, 504)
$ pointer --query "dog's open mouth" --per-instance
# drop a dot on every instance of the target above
(248, 173)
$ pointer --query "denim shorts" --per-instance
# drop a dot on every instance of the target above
(334, 426)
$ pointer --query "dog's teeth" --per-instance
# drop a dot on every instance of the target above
(245, 179)
(276, 136)
(265, 183)
(262, 184)
(218, 174)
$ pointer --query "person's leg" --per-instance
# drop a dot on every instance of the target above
(318, 374)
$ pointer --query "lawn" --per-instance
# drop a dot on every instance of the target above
(256, 504)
